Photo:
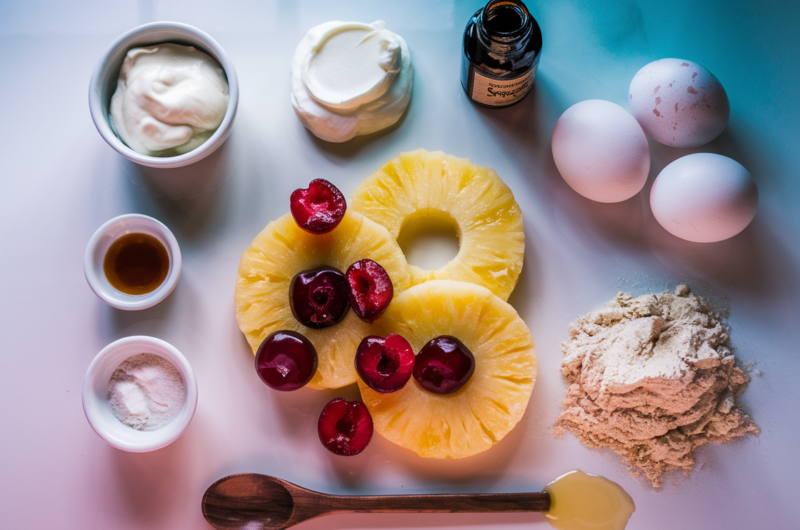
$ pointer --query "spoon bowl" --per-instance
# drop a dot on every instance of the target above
(238, 501)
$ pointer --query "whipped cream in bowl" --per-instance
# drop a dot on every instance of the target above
(164, 95)
(350, 79)
(169, 100)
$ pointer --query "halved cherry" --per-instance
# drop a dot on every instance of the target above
(370, 289)
(319, 208)
(385, 365)
(319, 298)
(345, 427)
(444, 365)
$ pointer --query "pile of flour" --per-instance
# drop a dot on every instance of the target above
(651, 379)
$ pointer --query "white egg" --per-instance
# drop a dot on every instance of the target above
(679, 103)
(704, 198)
(601, 151)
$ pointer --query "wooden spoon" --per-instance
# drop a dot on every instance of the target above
(259, 502)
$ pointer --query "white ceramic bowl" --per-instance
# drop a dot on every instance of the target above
(95, 395)
(106, 73)
(99, 245)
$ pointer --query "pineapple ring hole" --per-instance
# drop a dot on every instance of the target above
(429, 238)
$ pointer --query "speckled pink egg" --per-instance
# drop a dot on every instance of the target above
(679, 103)
(600, 151)
(704, 198)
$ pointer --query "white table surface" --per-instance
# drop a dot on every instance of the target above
(59, 181)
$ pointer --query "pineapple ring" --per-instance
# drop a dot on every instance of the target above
(282, 250)
(492, 401)
(488, 220)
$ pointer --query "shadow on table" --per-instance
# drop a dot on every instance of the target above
(149, 483)
(158, 321)
(342, 153)
(189, 199)
(421, 520)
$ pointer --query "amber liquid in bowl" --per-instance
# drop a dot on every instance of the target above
(136, 264)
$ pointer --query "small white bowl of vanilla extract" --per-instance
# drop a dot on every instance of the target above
(132, 262)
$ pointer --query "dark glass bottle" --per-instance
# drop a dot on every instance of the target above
(502, 46)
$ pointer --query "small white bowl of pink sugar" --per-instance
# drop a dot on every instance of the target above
(139, 394)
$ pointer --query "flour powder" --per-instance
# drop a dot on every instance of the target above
(652, 379)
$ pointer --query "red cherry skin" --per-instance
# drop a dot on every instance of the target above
(319, 298)
(444, 365)
(286, 360)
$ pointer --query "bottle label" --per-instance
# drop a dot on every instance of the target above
(500, 92)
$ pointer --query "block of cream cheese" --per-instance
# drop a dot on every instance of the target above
(169, 99)
(350, 78)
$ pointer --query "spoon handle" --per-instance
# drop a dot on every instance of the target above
(463, 503)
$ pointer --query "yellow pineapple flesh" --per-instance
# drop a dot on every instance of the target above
(492, 401)
(432, 184)
(282, 250)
